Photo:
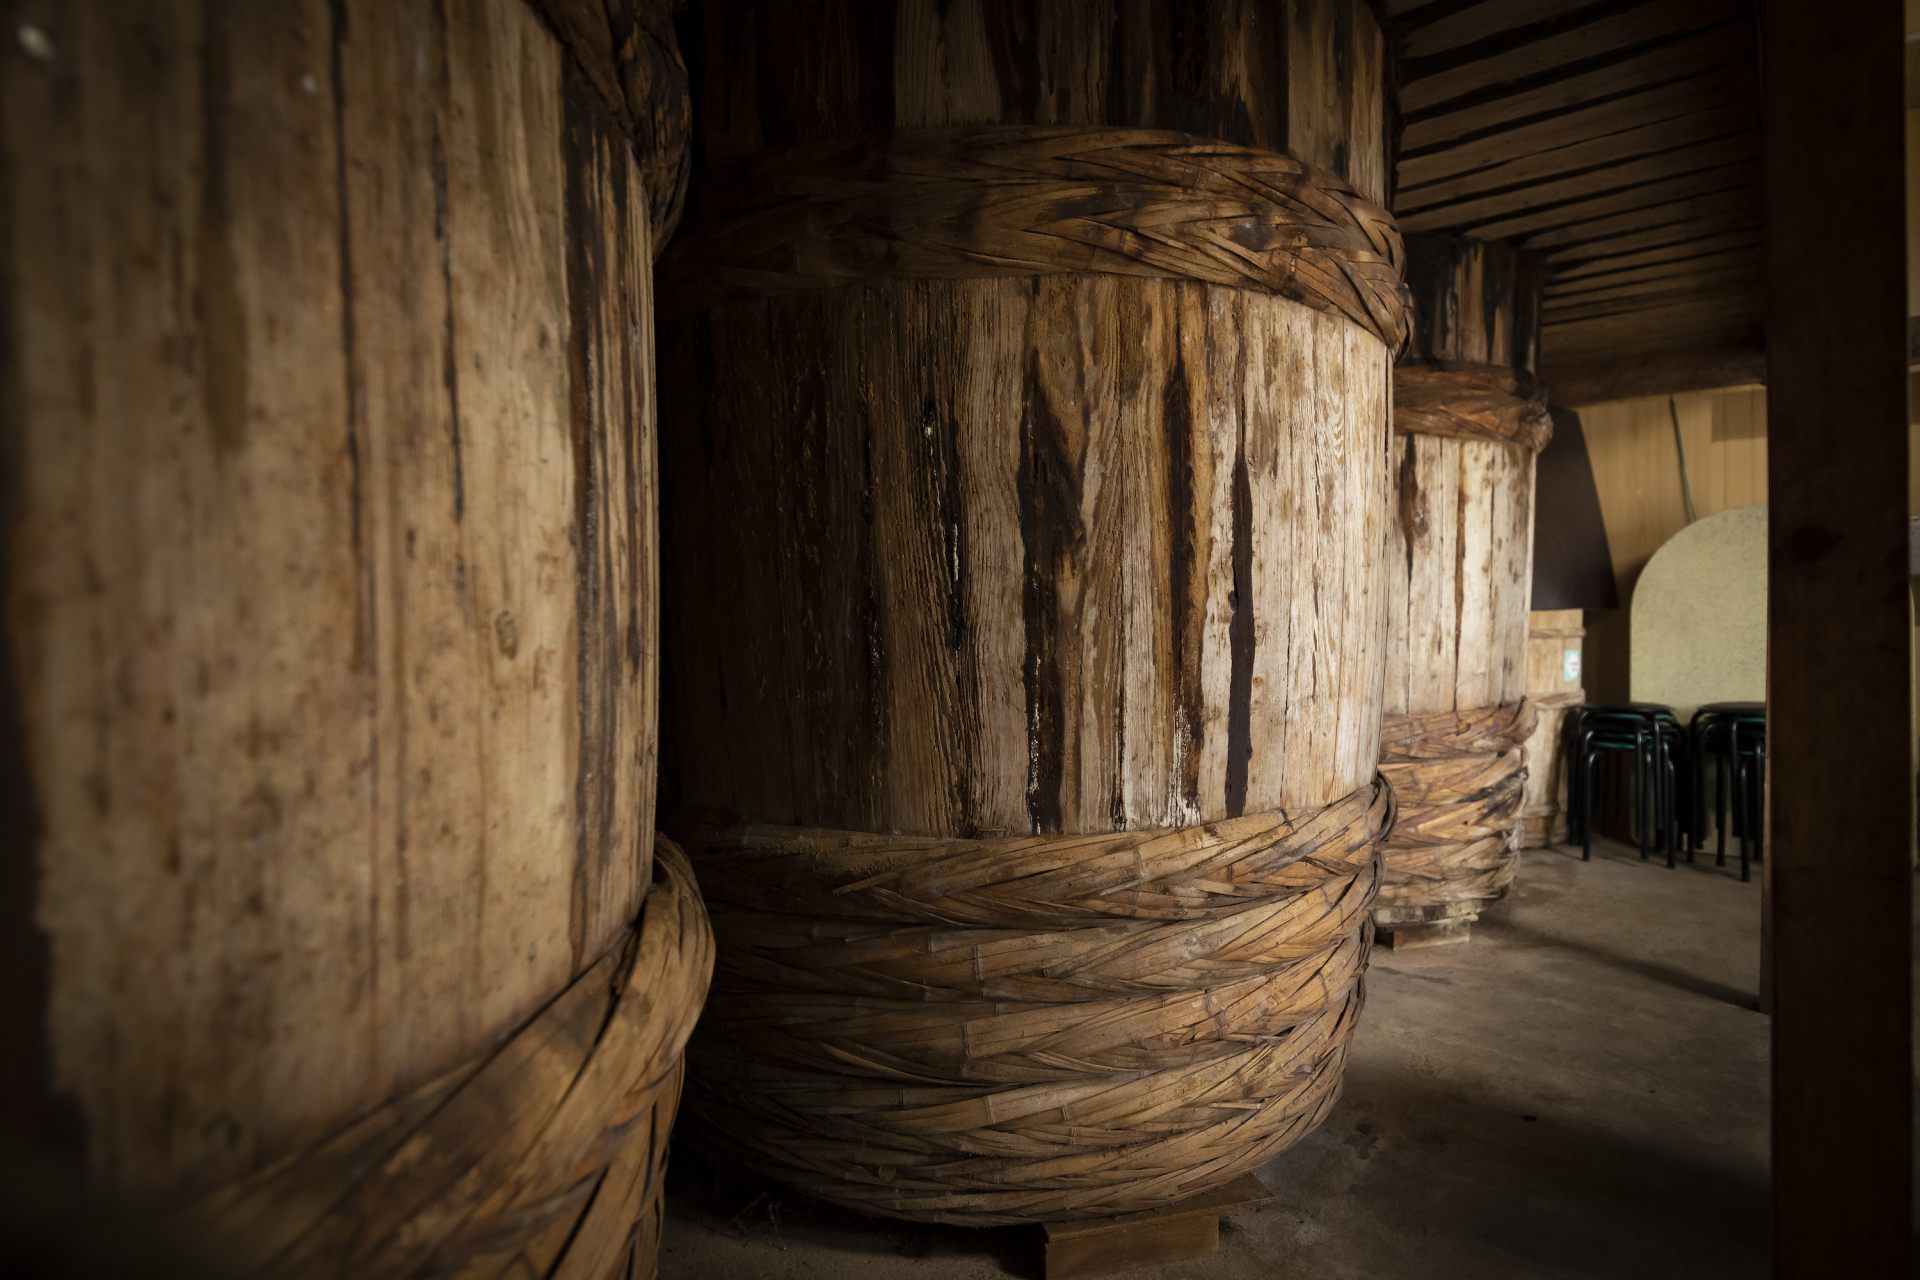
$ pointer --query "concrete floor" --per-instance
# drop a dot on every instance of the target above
(1580, 1091)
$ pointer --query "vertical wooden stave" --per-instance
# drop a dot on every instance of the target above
(332, 575)
(1462, 538)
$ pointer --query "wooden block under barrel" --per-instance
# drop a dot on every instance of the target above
(1190, 1229)
(1411, 937)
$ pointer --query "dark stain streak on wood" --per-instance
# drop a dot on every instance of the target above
(443, 234)
(867, 572)
(941, 438)
(41, 1120)
(365, 605)
(943, 444)
(1413, 517)
(597, 688)
(1186, 611)
(221, 311)
(1016, 57)
(1117, 796)
(1240, 635)
(1049, 531)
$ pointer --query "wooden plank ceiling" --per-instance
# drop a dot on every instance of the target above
(1618, 140)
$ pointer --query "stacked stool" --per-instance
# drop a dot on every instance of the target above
(1734, 736)
(1661, 805)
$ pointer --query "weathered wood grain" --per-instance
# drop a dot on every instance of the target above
(1020, 202)
(1462, 528)
(627, 52)
(330, 554)
(1069, 554)
(1461, 547)
(1005, 582)
(1305, 77)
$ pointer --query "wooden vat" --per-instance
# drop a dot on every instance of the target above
(1553, 685)
(331, 605)
(1468, 423)
(1026, 483)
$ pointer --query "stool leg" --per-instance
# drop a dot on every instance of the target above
(1740, 792)
(1589, 788)
(1641, 767)
(1721, 783)
(1668, 779)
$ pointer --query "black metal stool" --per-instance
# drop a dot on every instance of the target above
(1652, 733)
(1733, 735)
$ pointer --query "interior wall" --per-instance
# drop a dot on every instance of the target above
(1637, 472)
(1700, 615)
(1636, 469)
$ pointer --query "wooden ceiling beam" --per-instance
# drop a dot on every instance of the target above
(1617, 180)
(1734, 289)
(1681, 250)
(1665, 101)
(1649, 226)
(1455, 27)
(1528, 172)
(1429, 83)
(1595, 381)
(1509, 107)
(1685, 323)
(1581, 213)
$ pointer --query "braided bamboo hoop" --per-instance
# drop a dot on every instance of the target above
(1032, 1028)
(1470, 402)
(1043, 201)
(1458, 778)
(542, 1157)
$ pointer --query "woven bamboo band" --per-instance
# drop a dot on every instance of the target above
(626, 52)
(1458, 778)
(542, 1157)
(1470, 402)
(1032, 1028)
(1046, 201)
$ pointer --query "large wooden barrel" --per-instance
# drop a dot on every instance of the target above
(1555, 637)
(330, 578)
(1027, 368)
(1468, 424)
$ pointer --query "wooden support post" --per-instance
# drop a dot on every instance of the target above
(1839, 910)
(1177, 1233)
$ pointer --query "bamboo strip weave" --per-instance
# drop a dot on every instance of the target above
(1032, 1028)
(1470, 402)
(948, 204)
(1458, 779)
(542, 1157)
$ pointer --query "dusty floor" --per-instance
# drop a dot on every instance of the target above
(1581, 1091)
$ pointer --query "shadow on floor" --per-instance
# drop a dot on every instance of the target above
(1410, 1179)
(753, 1209)
(1652, 970)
